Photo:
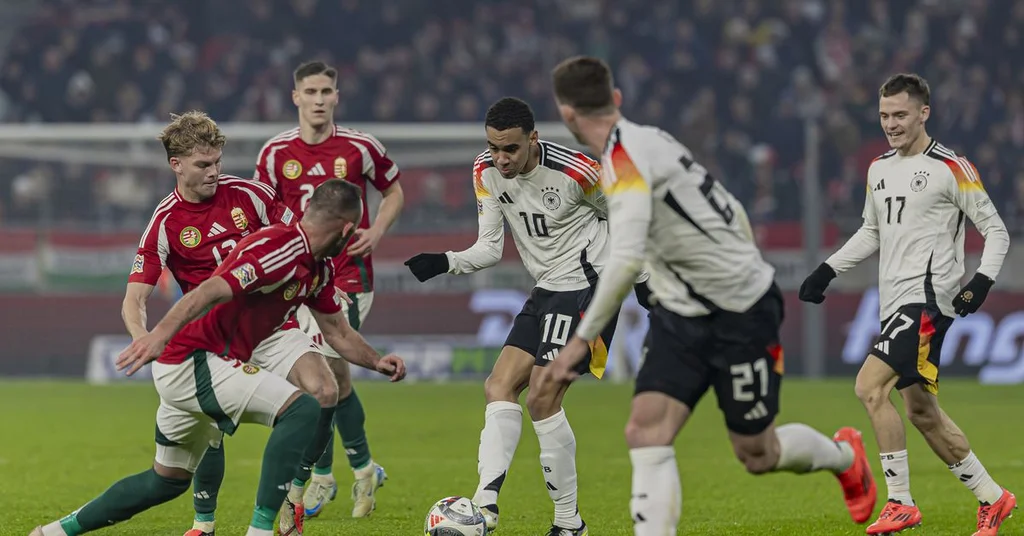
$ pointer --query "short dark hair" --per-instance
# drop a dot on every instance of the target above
(913, 84)
(313, 68)
(584, 83)
(510, 112)
(336, 199)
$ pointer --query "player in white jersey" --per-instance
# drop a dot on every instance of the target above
(715, 316)
(550, 197)
(917, 196)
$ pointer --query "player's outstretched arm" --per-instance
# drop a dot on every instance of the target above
(133, 308)
(351, 346)
(860, 246)
(484, 253)
(970, 196)
(149, 347)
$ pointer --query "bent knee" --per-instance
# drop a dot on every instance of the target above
(757, 460)
(870, 395)
(646, 433)
(500, 389)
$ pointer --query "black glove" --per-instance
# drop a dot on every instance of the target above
(813, 288)
(972, 295)
(643, 295)
(427, 265)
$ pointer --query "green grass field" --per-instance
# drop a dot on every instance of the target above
(62, 443)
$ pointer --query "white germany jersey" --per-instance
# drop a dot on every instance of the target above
(557, 215)
(914, 217)
(666, 210)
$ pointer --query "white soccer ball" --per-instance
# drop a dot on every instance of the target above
(455, 516)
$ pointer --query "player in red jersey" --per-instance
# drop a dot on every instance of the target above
(202, 373)
(192, 230)
(293, 164)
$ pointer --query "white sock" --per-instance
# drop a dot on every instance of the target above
(897, 476)
(803, 449)
(558, 459)
(54, 529)
(295, 493)
(365, 471)
(975, 477)
(657, 494)
(253, 531)
(503, 424)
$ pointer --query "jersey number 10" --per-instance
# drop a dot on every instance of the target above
(540, 224)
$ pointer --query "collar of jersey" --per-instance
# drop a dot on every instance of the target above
(196, 207)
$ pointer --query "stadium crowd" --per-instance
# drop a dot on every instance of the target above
(734, 79)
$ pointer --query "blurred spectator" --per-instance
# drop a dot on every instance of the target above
(734, 79)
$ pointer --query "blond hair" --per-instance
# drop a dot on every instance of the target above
(191, 131)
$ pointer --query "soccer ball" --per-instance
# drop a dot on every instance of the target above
(455, 516)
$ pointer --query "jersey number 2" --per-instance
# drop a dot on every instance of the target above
(707, 188)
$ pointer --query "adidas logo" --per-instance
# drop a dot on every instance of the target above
(550, 356)
(759, 412)
(883, 346)
(215, 230)
(316, 171)
(201, 495)
(890, 473)
(880, 185)
(965, 478)
(505, 199)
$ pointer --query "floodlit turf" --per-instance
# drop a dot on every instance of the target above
(62, 443)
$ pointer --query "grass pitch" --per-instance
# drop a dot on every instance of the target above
(63, 443)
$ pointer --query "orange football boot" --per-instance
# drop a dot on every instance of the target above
(858, 484)
(895, 517)
(991, 516)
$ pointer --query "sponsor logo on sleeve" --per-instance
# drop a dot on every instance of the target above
(138, 264)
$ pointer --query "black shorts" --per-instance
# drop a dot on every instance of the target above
(549, 319)
(738, 354)
(910, 341)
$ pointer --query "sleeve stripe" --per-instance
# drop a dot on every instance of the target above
(246, 184)
(355, 134)
(164, 206)
(588, 175)
(284, 258)
(578, 158)
(280, 251)
(255, 243)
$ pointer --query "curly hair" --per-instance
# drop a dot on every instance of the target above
(191, 131)
(510, 112)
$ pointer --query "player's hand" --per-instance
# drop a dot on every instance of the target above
(141, 351)
(562, 369)
(972, 295)
(392, 366)
(813, 288)
(364, 241)
(427, 265)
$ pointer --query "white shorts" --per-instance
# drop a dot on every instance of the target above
(279, 352)
(355, 313)
(206, 397)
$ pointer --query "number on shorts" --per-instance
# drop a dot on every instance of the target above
(559, 333)
(891, 329)
(743, 379)
(307, 192)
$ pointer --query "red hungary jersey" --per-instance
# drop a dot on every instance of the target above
(271, 272)
(293, 168)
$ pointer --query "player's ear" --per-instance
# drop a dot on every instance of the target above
(175, 164)
(534, 137)
(926, 111)
(295, 97)
(617, 97)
